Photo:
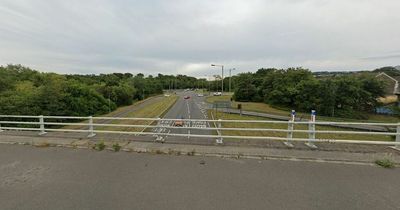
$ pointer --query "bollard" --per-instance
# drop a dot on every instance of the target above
(290, 129)
(91, 130)
(41, 122)
(311, 131)
(219, 140)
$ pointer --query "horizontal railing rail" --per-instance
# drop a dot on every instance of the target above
(89, 124)
(206, 120)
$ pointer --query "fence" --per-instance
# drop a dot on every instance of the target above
(44, 124)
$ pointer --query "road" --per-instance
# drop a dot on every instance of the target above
(59, 178)
(193, 108)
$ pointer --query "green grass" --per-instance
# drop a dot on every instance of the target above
(266, 108)
(153, 110)
(227, 116)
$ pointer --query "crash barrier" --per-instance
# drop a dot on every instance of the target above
(91, 126)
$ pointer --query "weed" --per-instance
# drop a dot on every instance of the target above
(170, 152)
(191, 153)
(99, 146)
(116, 147)
(45, 144)
(385, 163)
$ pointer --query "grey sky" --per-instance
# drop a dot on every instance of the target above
(182, 36)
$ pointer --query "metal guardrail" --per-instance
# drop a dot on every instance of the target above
(43, 125)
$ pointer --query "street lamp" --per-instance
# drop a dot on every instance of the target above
(222, 67)
(230, 78)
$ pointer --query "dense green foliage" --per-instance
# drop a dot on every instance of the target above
(24, 91)
(298, 89)
(389, 70)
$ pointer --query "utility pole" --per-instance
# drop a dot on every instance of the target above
(230, 78)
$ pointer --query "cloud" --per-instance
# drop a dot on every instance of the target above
(177, 36)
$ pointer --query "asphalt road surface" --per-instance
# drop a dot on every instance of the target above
(59, 178)
(193, 108)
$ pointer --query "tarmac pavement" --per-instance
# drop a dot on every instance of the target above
(60, 178)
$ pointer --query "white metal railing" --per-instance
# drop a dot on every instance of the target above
(42, 123)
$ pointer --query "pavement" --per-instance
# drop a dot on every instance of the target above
(61, 178)
(338, 153)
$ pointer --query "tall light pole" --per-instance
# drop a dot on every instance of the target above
(230, 78)
(222, 67)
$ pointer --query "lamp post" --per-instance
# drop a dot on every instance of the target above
(230, 78)
(222, 81)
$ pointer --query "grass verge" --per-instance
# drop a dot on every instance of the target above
(154, 110)
(266, 108)
(226, 116)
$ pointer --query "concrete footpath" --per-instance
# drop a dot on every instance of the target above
(242, 151)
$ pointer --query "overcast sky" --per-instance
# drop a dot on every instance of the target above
(186, 36)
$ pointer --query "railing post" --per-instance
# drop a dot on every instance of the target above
(91, 130)
(398, 136)
(220, 139)
(158, 130)
(1, 130)
(41, 123)
(190, 124)
(290, 129)
(311, 131)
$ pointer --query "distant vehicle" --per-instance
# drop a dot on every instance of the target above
(217, 94)
(186, 97)
(167, 95)
(178, 123)
(200, 95)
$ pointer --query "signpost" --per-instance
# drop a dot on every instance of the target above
(221, 104)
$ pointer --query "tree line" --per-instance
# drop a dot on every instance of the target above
(24, 91)
(297, 88)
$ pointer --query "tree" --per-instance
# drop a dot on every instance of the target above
(245, 90)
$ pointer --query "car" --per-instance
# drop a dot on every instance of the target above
(217, 94)
(200, 95)
(186, 97)
(178, 123)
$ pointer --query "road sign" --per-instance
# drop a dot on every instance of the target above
(222, 104)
